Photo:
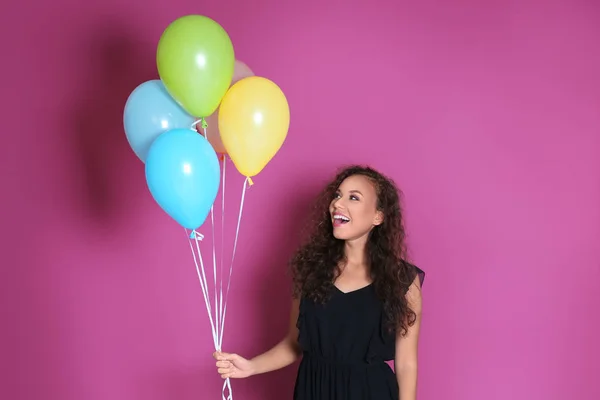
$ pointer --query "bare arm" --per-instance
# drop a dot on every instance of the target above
(406, 347)
(281, 355)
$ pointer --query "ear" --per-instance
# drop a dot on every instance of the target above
(378, 220)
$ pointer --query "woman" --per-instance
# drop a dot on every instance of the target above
(357, 302)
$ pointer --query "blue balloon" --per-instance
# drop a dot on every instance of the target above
(183, 174)
(150, 111)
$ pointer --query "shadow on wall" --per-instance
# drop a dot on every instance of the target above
(104, 165)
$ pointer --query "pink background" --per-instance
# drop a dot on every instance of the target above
(485, 112)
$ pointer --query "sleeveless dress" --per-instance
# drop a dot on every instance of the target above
(345, 345)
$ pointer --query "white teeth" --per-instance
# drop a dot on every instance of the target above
(342, 217)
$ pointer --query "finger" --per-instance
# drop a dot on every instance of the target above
(225, 371)
(228, 375)
(227, 357)
(218, 355)
(223, 364)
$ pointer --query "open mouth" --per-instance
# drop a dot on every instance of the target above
(339, 219)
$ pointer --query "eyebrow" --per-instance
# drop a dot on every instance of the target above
(352, 191)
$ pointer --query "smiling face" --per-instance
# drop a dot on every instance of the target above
(354, 210)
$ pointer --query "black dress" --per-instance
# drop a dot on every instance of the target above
(345, 345)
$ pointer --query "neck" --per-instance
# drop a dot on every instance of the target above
(355, 251)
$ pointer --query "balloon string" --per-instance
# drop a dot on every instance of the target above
(214, 252)
(222, 242)
(217, 330)
(214, 256)
(203, 283)
(227, 384)
(237, 232)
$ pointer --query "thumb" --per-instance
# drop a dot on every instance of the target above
(221, 356)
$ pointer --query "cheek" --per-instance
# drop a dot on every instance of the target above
(361, 214)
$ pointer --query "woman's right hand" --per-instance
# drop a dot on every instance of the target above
(232, 366)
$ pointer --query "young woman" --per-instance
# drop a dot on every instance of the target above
(357, 302)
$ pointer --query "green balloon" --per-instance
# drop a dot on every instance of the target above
(195, 60)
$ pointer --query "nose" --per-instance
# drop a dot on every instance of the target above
(338, 204)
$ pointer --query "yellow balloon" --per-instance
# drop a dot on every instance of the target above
(254, 118)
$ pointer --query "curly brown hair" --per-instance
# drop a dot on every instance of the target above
(315, 265)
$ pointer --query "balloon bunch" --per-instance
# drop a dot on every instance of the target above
(206, 106)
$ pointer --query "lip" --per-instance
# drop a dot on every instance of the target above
(338, 222)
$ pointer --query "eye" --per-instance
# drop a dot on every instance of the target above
(337, 196)
(353, 197)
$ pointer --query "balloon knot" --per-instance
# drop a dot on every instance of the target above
(250, 182)
(221, 157)
(196, 235)
(204, 123)
(195, 126)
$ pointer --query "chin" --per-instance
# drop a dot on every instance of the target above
(347, 236)
(338, 236)
(342, 235)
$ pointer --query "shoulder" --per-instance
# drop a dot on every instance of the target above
(413, 292)
(414, 274)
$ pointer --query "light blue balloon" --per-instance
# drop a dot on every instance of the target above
(183, 174)
(150, 111)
